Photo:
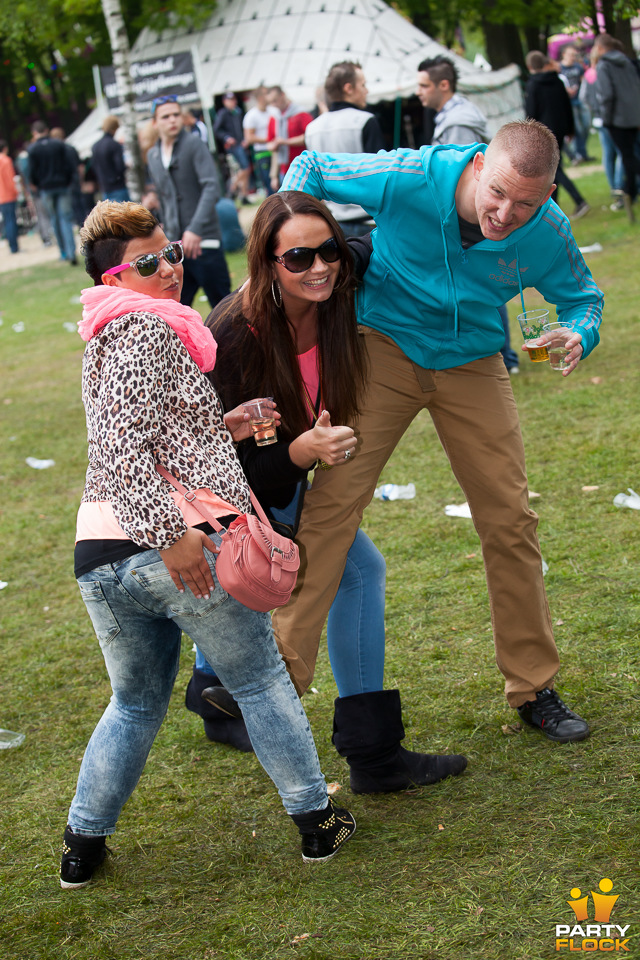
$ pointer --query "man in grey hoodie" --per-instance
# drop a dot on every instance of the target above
(618, 93)
(458, 120)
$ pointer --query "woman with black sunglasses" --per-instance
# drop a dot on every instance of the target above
(291, 334)
(145, 564)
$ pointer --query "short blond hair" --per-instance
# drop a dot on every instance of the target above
(530, 146)
(108, 229)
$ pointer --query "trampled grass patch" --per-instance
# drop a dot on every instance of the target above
(205, 863)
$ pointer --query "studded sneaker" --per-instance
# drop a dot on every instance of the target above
(81, 856)
(550, 714)
(323, 832)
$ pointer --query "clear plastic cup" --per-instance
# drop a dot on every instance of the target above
(557, 349)
(8, 739)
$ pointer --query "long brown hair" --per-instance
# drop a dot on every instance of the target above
(261, 338)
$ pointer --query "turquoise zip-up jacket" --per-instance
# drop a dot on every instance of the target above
(437, 301)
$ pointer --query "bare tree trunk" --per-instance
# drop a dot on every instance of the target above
(623, 33)
(609, 19)
(503, 44)
(120, 50)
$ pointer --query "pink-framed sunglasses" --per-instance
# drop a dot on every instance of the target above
(149, 263)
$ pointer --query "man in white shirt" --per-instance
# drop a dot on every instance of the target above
(256, 132)
(348, 127)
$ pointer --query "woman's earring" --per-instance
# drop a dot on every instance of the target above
(274, 285)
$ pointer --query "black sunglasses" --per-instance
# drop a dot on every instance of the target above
(299, 259)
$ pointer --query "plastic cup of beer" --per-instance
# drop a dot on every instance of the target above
(261, 420)
(557, 348)
(532, 326)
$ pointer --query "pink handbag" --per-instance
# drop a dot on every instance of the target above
(255, 565)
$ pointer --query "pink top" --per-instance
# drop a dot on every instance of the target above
(96, 519)
(309, 369)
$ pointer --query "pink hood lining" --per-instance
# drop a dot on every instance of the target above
(102, 304)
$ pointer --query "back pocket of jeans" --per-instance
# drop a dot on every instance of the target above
(104, 622)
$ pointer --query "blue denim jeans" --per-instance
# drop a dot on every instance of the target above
(262, 167)
(8, 211)
(582, 123)
(208, 271)
(509, 355)
(58, 205)
(120, 195)
(139, 615)
(611, 160)
(355, 626)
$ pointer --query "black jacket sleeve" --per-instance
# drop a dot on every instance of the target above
(372, 139)
(361, 250)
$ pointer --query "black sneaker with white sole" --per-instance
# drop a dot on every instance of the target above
(323, 832)
(81, 857)
(550, 714)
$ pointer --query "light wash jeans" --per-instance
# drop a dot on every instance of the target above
(58, 205)
(355, 626)
(139, 615)
(611, 160)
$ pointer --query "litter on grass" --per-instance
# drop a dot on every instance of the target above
(458, 510)
(631, 500)
(592, 248)
(8, 739)
(395, 491)
(18, 327)
(3, 584)
(70, 327)
(39, 464)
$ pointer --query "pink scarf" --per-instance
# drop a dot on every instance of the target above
(102, 304)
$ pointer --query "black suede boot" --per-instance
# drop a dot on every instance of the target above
(367, 730)
(217, 726)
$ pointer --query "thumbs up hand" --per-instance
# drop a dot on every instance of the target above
(333, 445)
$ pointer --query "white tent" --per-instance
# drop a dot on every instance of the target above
(293, 43)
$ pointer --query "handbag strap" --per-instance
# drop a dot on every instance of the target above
(190, 497)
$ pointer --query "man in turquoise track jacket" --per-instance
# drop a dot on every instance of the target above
(460, 231)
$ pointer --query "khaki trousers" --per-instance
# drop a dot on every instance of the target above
(474, 412)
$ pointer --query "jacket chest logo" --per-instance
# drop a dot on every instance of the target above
(508, 272)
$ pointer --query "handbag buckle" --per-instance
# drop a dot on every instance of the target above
(276, 550)
(190, 496)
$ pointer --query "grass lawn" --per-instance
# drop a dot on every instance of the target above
(205, 864)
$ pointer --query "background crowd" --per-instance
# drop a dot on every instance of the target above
(254, 137)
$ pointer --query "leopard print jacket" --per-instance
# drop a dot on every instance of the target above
(147, 402)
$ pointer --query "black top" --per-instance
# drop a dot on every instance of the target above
(108, 164)
(271, 473)
(546, 99)
(50, 164)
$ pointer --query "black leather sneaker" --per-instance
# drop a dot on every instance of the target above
(81, 856)
(550, 714)
(323, 832)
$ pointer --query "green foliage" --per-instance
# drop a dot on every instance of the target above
(54, 44)
(480, 867)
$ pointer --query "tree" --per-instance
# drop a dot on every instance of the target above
(121, 62)
(49, 47)
(507, 23)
